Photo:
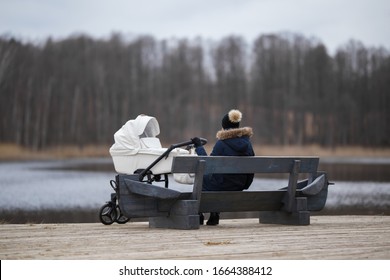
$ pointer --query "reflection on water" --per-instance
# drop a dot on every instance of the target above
(74, 190)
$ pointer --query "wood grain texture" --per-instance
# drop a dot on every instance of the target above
(328, 237)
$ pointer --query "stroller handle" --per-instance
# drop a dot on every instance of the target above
(202, 140)
(166, 154)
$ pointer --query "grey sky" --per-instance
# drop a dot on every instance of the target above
(334, 22)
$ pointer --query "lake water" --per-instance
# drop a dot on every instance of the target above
(74, 190)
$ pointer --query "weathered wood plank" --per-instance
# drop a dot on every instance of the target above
(188, 164)
(292, 186)
(150, 190)
(285, 218)
(241, 201)
(328, 238)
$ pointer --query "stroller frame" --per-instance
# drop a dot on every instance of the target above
(110, 212)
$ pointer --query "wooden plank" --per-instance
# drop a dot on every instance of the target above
(292, 186)
(217, 164)
(198, 184)
(316, 186)
(316, 202)
(241, 201)
(137, 206)
(175, 222)
(284, 218)
(329, 238)
(150, 190)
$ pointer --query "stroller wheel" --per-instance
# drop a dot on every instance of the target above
(121, 219)
(108, 214)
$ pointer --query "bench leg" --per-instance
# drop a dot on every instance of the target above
(299, 215)
(285, 218)
(183, 215)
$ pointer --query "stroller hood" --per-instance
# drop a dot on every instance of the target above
(127, 138)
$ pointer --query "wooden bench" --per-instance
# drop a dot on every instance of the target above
(167, 208)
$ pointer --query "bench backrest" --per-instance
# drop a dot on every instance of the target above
(201, 165)
(257, 164)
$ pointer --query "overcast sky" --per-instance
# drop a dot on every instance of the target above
(334, 22)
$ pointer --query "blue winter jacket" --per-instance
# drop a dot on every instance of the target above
(232, 142)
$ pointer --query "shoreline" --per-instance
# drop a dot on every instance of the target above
(91, 215)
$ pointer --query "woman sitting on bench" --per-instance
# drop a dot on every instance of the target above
(232, 141)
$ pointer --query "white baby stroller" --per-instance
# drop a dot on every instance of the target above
(138, 151)
(136, 148)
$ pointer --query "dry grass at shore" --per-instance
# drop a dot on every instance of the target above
(16, 152)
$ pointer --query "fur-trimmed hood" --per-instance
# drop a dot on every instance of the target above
(234, 133)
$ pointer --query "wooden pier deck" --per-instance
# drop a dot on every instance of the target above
(328, 237)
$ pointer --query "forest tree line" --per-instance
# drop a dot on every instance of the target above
(80, 90)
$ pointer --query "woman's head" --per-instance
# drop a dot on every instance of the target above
(232, 119)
